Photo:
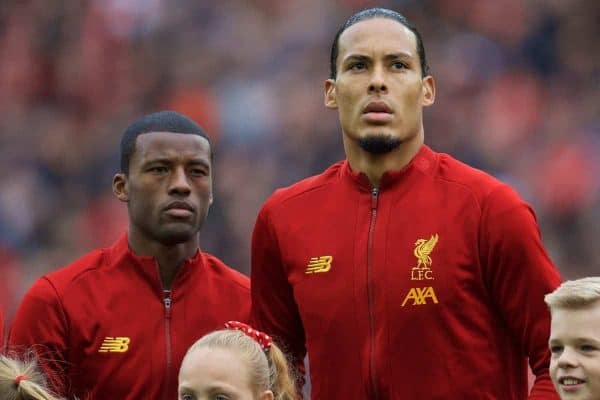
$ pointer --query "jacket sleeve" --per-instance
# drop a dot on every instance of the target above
(274, 309)
(518, 273)
(40, 328)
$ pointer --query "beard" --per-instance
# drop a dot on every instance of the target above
(379, 144)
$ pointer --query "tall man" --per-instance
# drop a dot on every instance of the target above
(116, 323)
(404, 273)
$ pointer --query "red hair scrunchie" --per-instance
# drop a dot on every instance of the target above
(19, 378)
(262, 338)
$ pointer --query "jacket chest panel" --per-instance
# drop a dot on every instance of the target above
(110, 311)
(399, 257)
(118, 333)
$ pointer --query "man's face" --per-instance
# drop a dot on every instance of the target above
(379, 90)
(169, 186)
(575, 346)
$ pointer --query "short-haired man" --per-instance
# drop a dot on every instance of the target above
(403, 272)
(575, 339)
(116, 323)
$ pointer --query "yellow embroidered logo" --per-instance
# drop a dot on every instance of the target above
(319, 264)
(419, 296)
(117, 344)
(423, 249)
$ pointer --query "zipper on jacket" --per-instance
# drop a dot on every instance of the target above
(374, 198)
(167, 302)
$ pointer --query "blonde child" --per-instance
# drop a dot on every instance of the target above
(237, 362)
(575, 339)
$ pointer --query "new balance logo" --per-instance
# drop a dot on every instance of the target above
(117, 344)
(319, 264)
(419, 296)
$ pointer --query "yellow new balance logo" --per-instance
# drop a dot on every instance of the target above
(419, 296)
(117, 344)
(319, 264)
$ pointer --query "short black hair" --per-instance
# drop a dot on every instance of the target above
(162, 121)
(377, 13)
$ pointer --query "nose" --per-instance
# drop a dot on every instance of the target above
(568, 358)
(179, 183)
(377, 83)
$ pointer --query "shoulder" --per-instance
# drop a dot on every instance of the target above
(484, 187)
(229, 276)
(304, 186)
(50, 294)
(63, 278)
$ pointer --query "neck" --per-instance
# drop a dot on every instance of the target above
(168, 257)
(375, 165)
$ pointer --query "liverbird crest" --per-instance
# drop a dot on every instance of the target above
(423, 249)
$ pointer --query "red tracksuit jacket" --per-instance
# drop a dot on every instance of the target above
(430, 287)
(108, 330)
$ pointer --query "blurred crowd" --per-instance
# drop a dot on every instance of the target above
(517, 96)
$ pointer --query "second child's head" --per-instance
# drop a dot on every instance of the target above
(235, 364)
(21, 379)
(575, 339)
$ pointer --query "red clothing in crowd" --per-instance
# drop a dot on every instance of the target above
(110, 331)
(1, 329)
(430, 287)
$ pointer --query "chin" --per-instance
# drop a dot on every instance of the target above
(171, 237)
(379, 143)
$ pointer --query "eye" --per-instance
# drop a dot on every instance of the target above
(221, 396)
(399, 65)
(186, 396)
(357, 66)
(158, 169)
(587, 348)
(556, 349)
(199, 172)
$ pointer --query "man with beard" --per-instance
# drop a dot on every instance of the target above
(116, 323)
(402, 272)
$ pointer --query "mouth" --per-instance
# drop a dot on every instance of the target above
(570, 383)
(377, 112)
(179, 209)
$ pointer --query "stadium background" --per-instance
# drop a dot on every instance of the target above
(517, 96)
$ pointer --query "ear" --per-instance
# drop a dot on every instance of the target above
(120, 187)
(266, 395)
(330, 96)
(428, 91)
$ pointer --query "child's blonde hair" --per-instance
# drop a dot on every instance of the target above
(20, 379)
(574, 294)
(268, 369)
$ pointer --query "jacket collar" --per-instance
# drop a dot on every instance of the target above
(147, 265)
(422, 162)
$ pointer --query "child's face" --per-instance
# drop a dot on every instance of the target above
(216, 374)
(575, 346)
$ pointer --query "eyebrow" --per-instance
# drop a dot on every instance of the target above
(166, 160)
(391, 56)
(576, 340)
(184, 389)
